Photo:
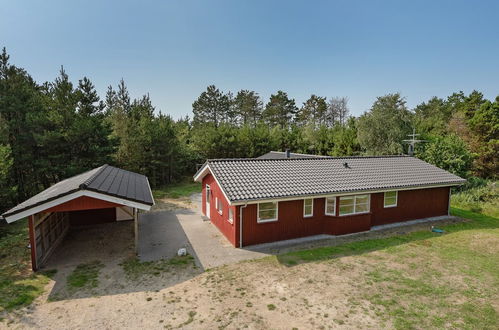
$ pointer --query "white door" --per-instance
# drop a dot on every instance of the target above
(208, 200)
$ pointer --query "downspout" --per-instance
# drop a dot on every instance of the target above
(241, 224)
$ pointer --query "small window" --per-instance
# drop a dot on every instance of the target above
(231, 215)
(308, 207)
(267, 212)
(391, 198)
(218, 205)
(331, 206)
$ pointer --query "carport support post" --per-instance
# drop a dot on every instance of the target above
(136, 226)
(31, 226)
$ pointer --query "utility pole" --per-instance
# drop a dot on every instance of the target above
(412, 142)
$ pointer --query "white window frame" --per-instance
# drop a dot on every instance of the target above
(308, 215)
(355, 204)
(230, 215)
(218, 206)
(258, 220)
(325, 206)
(396, 199)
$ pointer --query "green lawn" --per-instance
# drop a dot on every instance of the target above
(427, 280)
(18, 285)
(176, 190)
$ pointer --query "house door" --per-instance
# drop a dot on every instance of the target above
(208, 200)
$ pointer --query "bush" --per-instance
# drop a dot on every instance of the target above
(479, 196)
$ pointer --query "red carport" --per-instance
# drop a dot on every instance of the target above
(104, 194)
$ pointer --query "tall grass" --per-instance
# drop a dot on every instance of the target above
(479, 196)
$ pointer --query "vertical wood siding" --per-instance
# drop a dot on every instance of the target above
(221, 221)
(82, 203)
(411, 205)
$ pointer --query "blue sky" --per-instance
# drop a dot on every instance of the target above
(174, 49)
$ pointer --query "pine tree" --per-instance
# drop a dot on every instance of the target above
(313, 112)
(90, 133)
(280, 110)
(21, 113)
(212, 107)
(248, 107)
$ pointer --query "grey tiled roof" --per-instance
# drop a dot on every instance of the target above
(257, 179)
(106, 180)
(282, 155)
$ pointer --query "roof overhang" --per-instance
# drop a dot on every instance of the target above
(345, 193)
(205, 170)
(65, 198)
(202, 172)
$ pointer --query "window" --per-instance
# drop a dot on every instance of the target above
(218, 205)
(347, 205)
(267, 212)
(391, 198)
(231, 215)
(330, 206)
(308, 207)
(354, 204)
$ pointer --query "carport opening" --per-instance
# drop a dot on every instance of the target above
(51, 230)
(103, 195)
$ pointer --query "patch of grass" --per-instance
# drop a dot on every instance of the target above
(184, 188)
(135, 269)
(85, 276)
(479, 221)
(19, 286)
(271, 307)
(453, 286)
(191, 315)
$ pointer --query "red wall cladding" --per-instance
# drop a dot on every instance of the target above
(82, 203)
(219, 220)
(412, 204)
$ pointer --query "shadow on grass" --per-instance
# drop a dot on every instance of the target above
(478, 221)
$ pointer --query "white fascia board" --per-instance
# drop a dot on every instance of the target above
(67, 198)
(150, 192)
(117, 200)
(203, 173)
(360, 192)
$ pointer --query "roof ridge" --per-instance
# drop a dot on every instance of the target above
(88, 181)
(306, 158)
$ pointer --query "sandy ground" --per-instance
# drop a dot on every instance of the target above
(260, 294)
(254, 295)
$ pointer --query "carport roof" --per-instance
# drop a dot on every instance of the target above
(105, 180)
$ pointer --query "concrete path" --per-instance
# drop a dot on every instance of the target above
(160, 236)
(163, 233)
(210, 246)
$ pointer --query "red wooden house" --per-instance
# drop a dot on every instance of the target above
(255, 201)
